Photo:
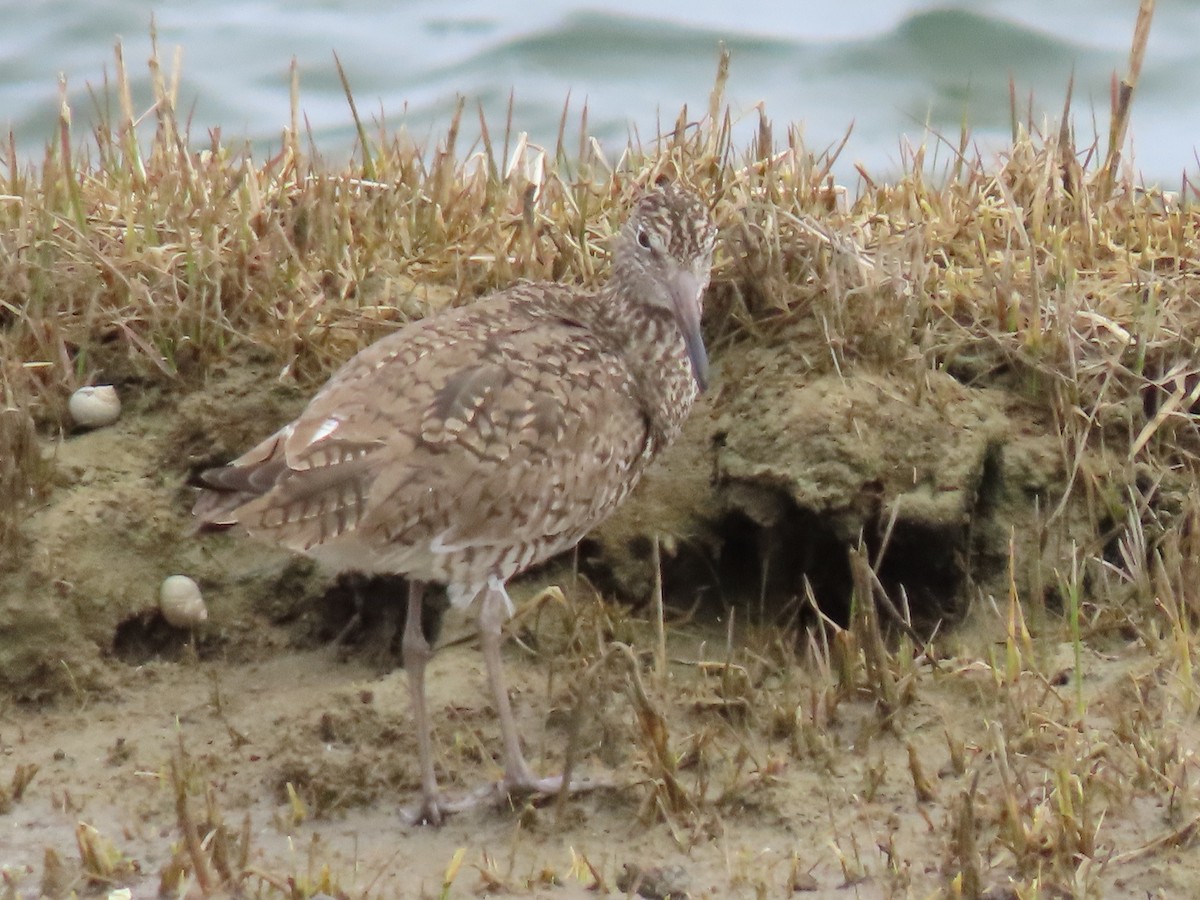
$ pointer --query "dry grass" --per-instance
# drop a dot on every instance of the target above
(1049, 272)
(143, 262)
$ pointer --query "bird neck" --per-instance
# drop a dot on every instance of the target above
(651, 344)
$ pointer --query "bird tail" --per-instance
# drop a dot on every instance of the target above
(224, 490)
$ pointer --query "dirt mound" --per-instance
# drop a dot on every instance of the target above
(787, 470)
(775, 479)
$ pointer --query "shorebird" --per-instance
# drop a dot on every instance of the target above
(471, 444)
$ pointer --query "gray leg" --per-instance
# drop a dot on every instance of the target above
(416, 654)
(518, 776)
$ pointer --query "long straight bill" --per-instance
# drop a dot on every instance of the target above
(685, 298)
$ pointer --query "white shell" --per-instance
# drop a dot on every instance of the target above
(92, 407)
(181, 603)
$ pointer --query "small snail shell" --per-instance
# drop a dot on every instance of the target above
(92, 407)
(180, 601)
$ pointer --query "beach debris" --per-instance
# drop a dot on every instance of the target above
(668, 882)
(181, 602)
(95, 406)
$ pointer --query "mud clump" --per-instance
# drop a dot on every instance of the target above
(789, 470)
(78, 591)
(365, 755)
(778, 475)
(806, 468)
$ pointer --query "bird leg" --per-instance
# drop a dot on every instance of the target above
(416, 654)
(492, 613)
(518, 777)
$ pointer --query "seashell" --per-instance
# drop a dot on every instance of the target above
(181, 603)
(95, 406)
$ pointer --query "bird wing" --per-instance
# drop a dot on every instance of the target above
(466, 431)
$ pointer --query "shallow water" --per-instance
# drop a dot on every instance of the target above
(887, 67)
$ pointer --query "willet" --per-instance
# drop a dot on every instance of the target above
(476, 442)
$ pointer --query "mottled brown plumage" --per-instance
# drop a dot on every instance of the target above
(467, 446)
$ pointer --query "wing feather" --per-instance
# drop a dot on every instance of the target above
(471, 430)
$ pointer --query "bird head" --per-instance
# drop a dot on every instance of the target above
(663, 258)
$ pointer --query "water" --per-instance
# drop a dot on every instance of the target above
(887, 67)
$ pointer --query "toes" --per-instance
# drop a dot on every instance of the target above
(433, 810)
(553, 784)
(427, 812)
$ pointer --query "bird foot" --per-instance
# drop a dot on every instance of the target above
(433, 810)
(527, 783)
(430, 811)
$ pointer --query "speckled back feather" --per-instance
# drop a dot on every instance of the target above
(476, 442)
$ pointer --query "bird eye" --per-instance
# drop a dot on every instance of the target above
(643, 239)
